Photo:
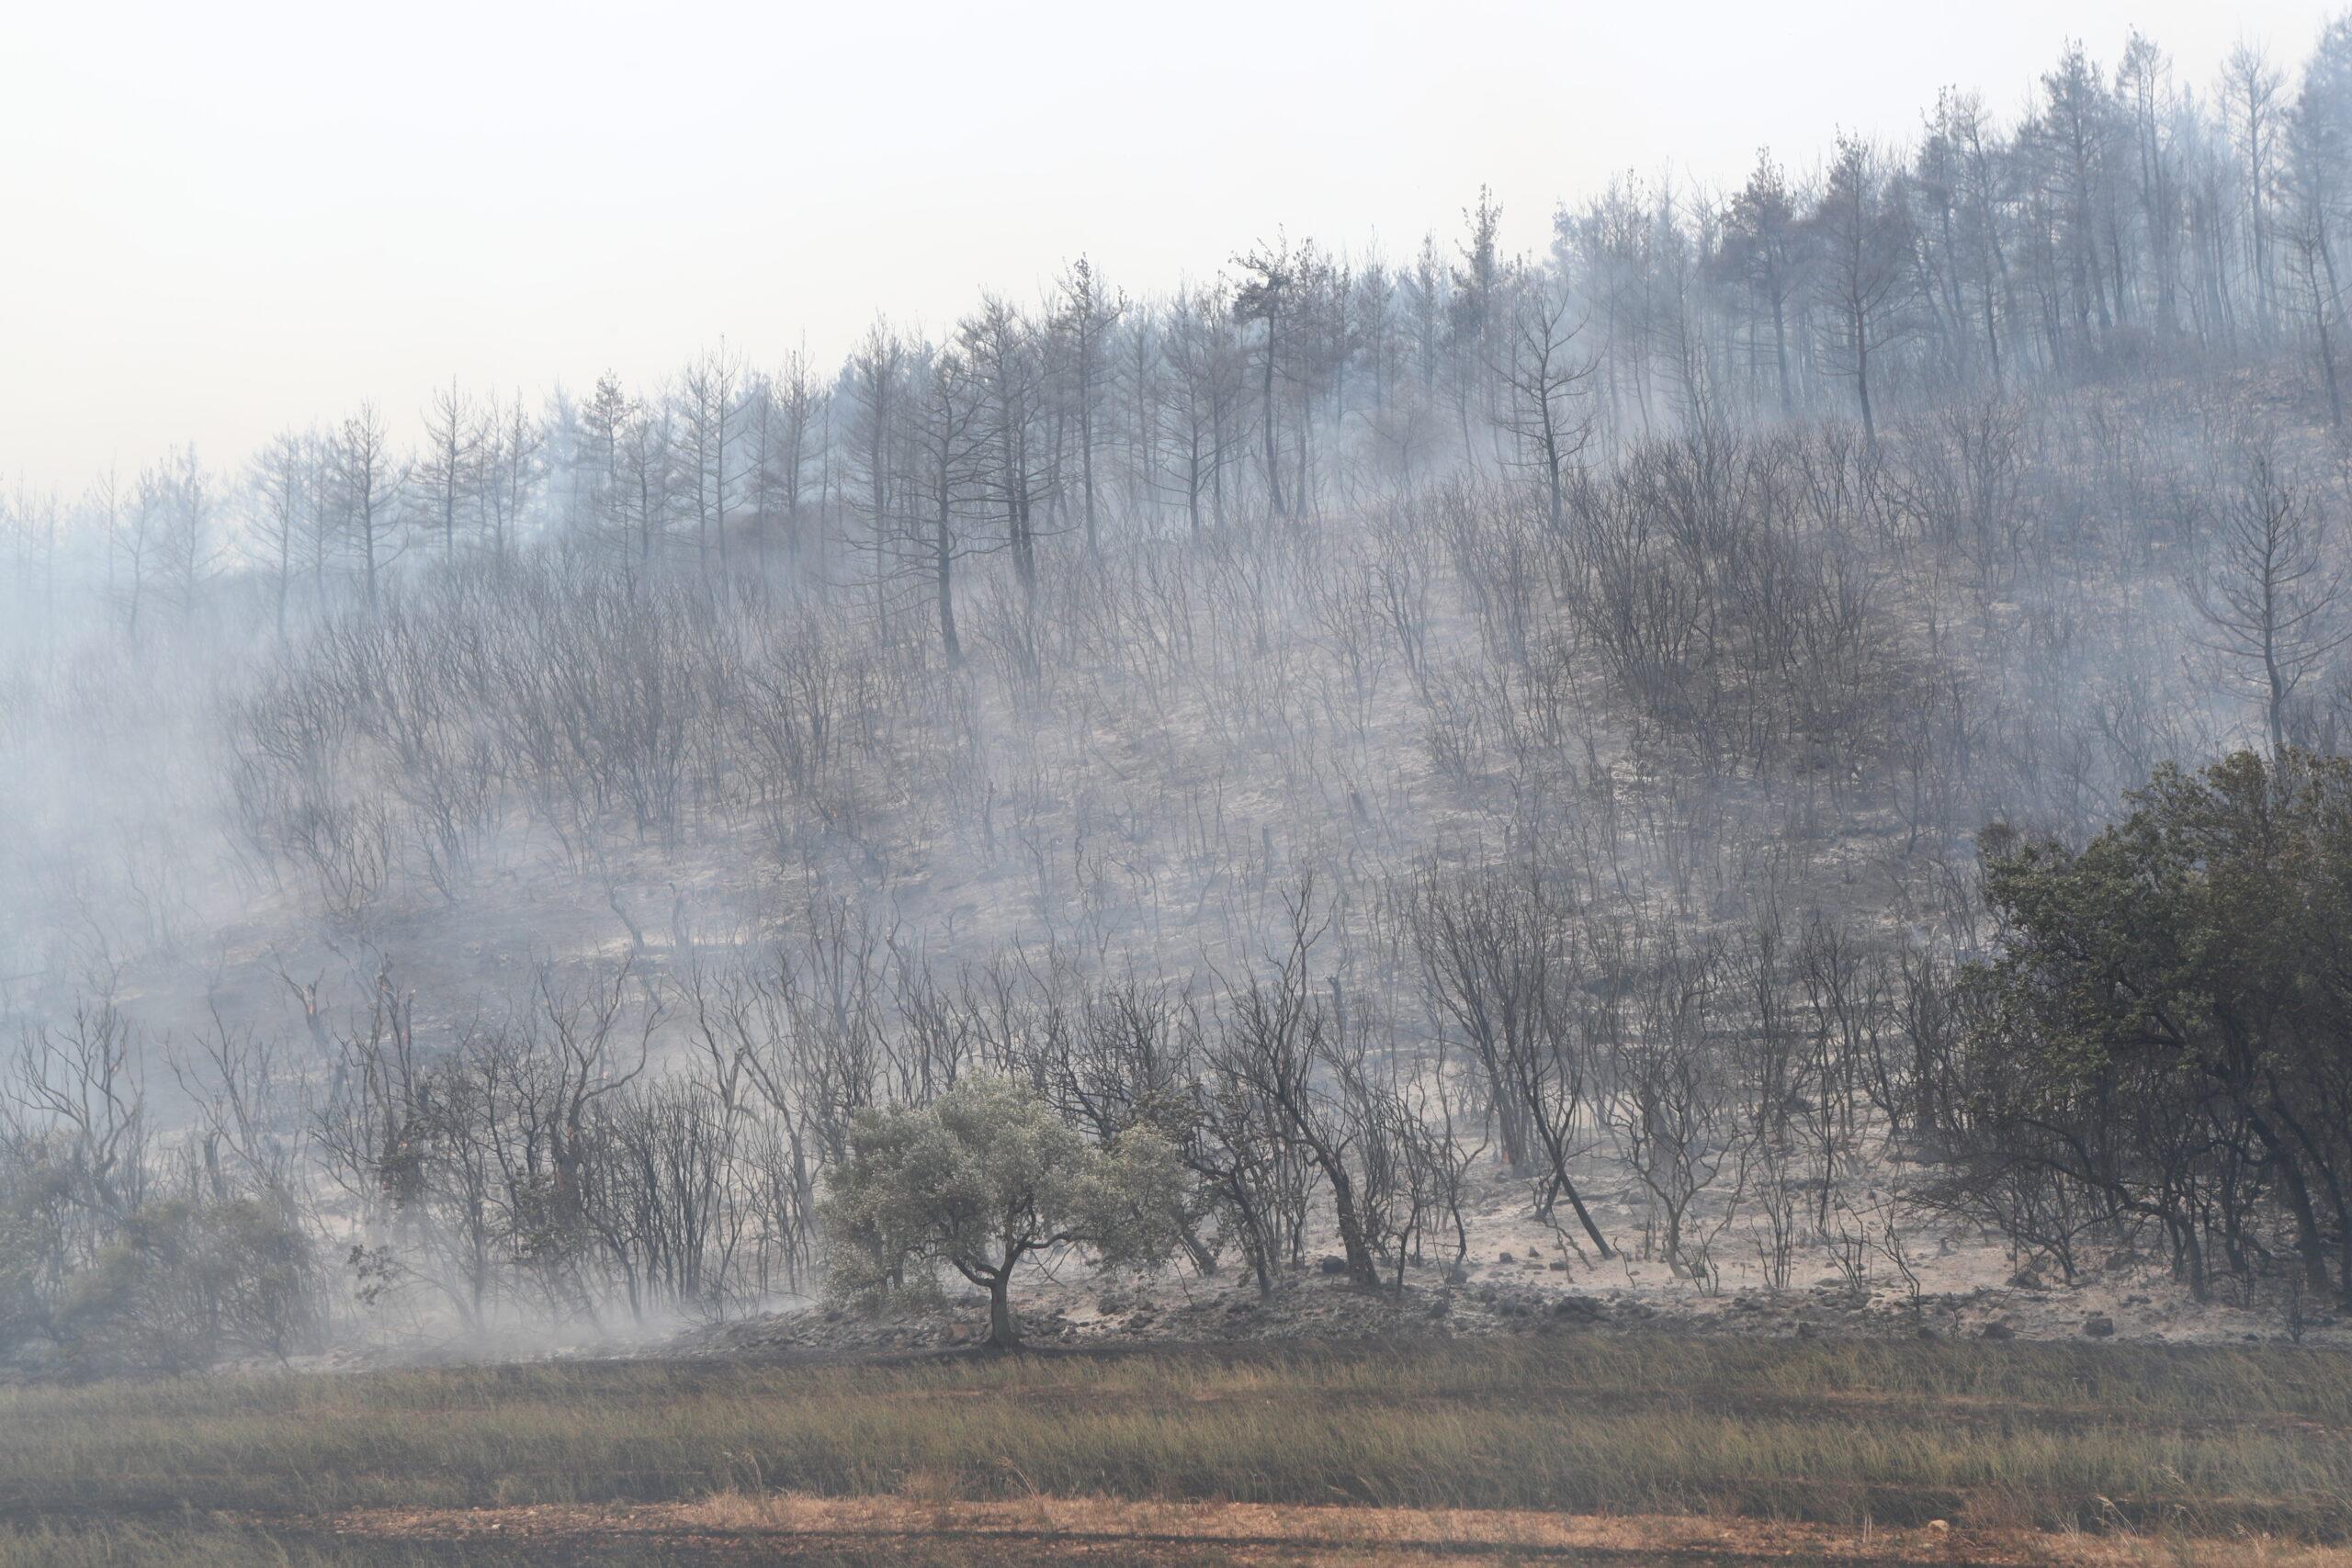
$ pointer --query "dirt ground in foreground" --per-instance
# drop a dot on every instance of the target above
(1048, 1529)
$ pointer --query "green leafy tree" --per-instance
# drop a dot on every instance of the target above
(2169, 1025)
(985, 1177)
(186, 1283)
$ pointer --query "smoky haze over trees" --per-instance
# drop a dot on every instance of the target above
(1238, 770)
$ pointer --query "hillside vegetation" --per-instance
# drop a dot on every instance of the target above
(1656, 724)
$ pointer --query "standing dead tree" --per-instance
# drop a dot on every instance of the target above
(2271, 602)
(1498, 964)
(1276, 1053)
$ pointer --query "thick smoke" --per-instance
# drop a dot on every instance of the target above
(1527, 710)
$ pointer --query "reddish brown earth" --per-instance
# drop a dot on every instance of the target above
(1051, 1530)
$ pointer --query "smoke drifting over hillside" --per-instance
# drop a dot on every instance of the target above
(1369, 724)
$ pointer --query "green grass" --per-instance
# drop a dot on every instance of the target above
(2045, 1435)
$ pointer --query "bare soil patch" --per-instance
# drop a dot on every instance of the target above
(1056, 1529)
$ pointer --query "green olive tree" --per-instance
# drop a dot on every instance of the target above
(985, 1176)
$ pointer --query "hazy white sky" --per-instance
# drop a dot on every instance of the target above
(218, 220)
